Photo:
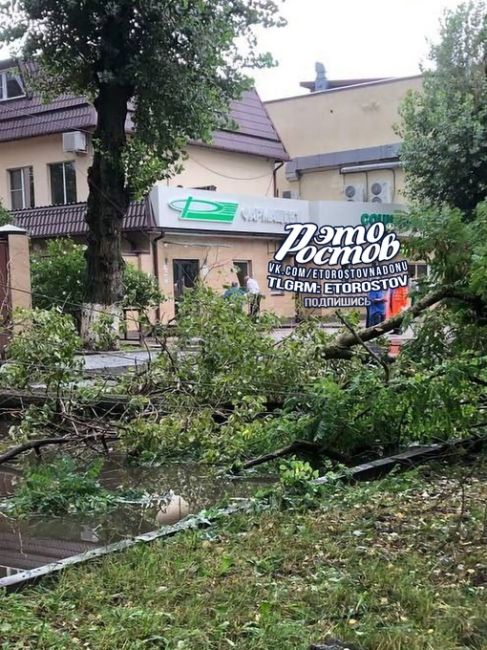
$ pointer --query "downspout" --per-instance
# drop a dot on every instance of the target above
(274, 177)
(155, 268)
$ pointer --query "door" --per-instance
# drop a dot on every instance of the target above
(243, 269)
(185, 275)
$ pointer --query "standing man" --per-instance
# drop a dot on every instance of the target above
(252, 288)
(376, 311)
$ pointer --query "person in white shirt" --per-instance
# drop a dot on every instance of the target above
(252, 287)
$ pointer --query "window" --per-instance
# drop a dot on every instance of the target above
(63, 183)
(418, 270)
(10, 85)
(21, 188)
(242, 269)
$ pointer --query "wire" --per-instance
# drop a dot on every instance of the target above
(233, 178)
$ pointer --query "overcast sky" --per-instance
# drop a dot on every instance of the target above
(353, 38)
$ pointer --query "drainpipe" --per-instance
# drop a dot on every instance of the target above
(155, 266)
(274, 177)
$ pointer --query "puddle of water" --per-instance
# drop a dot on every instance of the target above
(32, 542)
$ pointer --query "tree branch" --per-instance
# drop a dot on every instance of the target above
(298, 446)
(375, 356)
(341, 348)
(37, 444)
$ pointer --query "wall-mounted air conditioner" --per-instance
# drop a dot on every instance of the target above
(380, 192)
(74, 142)
(354, 192)
(290, 194)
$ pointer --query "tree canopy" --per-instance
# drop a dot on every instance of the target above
(444, 127)
(178, 63)
(163, 70)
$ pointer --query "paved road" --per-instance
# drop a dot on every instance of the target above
(114, 363)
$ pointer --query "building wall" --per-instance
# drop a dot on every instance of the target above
(39, 153)
(337, 120)
(19, 271)
(216, 256)
(229, 172)
(330, 184)
(340, 120)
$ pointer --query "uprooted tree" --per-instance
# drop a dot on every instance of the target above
(168, 68)
(225, 390)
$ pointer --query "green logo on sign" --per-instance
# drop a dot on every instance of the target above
(369, 219)
(199, 210)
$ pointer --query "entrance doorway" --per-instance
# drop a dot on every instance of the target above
(243, 269)
(185, 275)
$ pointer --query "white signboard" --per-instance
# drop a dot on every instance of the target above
(202, 210)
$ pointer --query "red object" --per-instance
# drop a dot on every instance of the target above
(397, 300)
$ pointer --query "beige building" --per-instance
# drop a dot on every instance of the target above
(342, 140)
(45, 153)
(339, 144)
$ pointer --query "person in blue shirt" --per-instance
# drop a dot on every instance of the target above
(234, 290)
(376, 311)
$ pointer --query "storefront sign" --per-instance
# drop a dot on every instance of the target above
(199, 210)
(183, 209)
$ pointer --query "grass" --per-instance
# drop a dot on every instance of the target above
(395, 565)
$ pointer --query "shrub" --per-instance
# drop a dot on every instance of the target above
(42, 349)
(59, 280)
(58, 277)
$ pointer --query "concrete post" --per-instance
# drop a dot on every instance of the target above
(15, 284)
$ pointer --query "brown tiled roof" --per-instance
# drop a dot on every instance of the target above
(69, 220)
(29, 116)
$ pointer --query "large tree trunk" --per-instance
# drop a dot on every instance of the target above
(107, 203)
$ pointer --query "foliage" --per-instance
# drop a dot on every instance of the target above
(5, 216)
(141, 290)
(221, 379)
(61, 487)
(104, 331)
(42, 350)
(231, 392)
(444, 127)
(59, 279)
(158, 52)
(59, 276)
(387, 565)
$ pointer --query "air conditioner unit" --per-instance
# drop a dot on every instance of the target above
(354, 192)
(290, 194)
(74, 142)
(380, 192)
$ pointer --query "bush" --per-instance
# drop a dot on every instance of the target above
(141, 290)
(42, 349)
(59, 280)
(59, 277)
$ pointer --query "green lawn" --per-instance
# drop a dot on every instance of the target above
(399, 564)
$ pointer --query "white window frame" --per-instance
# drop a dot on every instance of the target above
(63, 163)
(3, 84)
(22, 184)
